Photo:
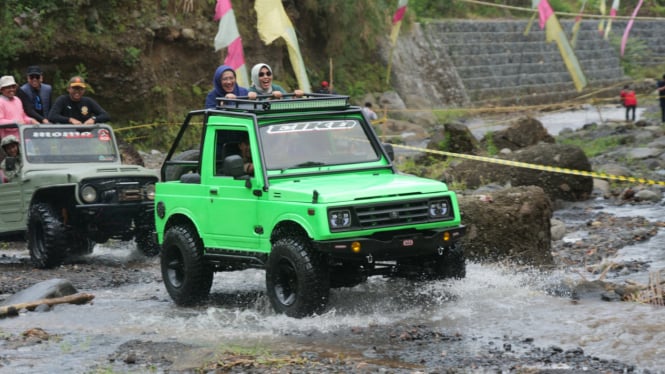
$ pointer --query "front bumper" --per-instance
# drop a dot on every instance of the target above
(386, 248)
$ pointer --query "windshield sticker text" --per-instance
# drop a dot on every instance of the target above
(61, 134)
(311, 126)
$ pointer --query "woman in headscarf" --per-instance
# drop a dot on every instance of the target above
(262, 83)
(224, 85)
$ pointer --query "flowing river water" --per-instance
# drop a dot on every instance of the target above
(492, 301)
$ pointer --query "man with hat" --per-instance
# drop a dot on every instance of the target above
(11, 108)
(11, 165)
(75, 108)
(37, 93)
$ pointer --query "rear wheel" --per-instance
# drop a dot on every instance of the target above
(297, 280)
(46, 236)
(81, 246)
(145, 237)
(187, 277)
(451, 263)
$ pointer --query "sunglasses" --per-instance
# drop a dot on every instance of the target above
(35, 76)
(267, 74)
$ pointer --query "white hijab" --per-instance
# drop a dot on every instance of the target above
(255, 79)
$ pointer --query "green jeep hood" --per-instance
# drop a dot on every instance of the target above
(345, 187)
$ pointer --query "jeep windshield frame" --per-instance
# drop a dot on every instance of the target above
(73, 144)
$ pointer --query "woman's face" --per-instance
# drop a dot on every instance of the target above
(265, 78)
(228, 81)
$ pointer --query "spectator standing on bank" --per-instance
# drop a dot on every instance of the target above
(75, 108)
(38, 93)
(629, 100)
(325, 88)
(368, 112)
(11, 107)
(660, 87)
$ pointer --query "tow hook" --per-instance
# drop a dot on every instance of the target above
(370, 259)
(440, 250)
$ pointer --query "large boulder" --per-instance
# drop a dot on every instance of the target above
(556, 185)
(523, 133)
(456, 138)
(510, 224)
(560, 186)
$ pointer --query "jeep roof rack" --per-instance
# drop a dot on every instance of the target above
(262, 104)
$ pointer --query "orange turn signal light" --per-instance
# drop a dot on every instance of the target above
(446, 236)
(355, 247)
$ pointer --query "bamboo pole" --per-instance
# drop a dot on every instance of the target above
(79, 298)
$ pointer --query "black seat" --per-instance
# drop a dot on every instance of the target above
(228, 149)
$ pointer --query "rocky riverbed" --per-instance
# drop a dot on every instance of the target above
(589, 238)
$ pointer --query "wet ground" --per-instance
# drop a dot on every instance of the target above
(500, 318)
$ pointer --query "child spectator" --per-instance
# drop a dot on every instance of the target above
(629, 100)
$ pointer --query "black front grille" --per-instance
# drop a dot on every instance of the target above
(397, 213)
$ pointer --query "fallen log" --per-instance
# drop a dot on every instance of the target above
(12, 310)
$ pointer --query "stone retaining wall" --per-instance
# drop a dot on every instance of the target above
(455, 63)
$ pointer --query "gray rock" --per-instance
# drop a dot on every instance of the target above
(558, 229)
(648, 195)
(643, 153)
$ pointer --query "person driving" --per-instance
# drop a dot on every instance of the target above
(246, 153)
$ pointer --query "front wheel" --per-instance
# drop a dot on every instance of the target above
(186, 275)
(297, 280)
(46, 236)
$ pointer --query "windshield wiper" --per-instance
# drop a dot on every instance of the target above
(310, 163)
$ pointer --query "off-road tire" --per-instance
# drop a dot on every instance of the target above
(187, 277)
(452, 264)
(173, 172)
(80, 246)
(297, 279)
(145, 238)
(46, 236)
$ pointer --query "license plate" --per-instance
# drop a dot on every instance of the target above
(407, 242)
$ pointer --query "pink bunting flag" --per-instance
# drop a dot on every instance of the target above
(228, 36)
(624, 39)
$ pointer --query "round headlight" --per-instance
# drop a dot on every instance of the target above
(438, 209)
(149, 191)
(88, 194)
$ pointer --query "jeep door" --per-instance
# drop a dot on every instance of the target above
(11, 207)
(232, 208)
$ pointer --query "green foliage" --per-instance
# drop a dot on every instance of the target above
(635, 54)
(132, 56)
(491, 147)
(449, 115)
(594, 147)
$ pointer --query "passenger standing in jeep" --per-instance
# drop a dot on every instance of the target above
(75, 108)
(11, 107)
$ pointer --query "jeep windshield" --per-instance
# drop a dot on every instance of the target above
(316, 143)
(52, 145)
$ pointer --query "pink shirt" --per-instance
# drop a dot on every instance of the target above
(11, 111)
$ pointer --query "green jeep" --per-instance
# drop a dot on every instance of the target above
(71, 191)
(325, 206)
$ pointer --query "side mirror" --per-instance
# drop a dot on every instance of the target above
(389, 150)
(233, 166)
(10, 163)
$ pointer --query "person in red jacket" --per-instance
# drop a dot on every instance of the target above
(629, 100)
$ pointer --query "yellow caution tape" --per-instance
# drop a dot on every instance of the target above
(554, 169)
